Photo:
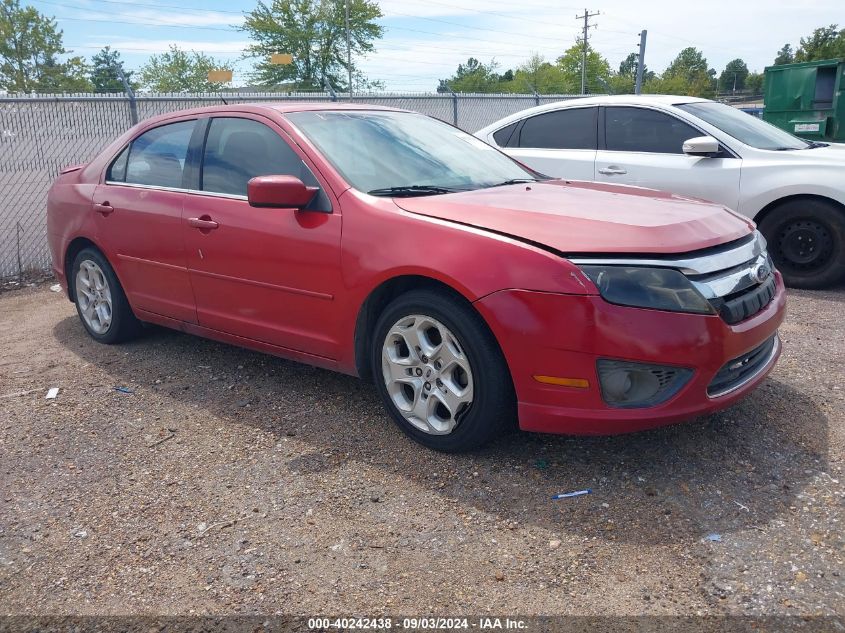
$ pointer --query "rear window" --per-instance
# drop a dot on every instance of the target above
(156, 158)
(504, 136)
(572, 128)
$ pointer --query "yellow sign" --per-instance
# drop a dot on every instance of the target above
(220, 76)
(281, 58)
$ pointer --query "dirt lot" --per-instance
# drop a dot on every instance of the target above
(233, 482)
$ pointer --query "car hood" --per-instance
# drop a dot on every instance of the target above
(582, 217)
(833, 152)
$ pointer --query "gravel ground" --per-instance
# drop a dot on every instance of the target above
(228, 481)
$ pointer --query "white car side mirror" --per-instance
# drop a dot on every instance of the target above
(701, 146)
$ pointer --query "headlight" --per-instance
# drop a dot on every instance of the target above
(656, 288)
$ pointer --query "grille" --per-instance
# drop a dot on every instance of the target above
(739, 283)
(742, 369)
(747, 303)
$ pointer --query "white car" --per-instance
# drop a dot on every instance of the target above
(794, 189)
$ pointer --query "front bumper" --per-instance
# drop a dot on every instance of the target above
(550, 334)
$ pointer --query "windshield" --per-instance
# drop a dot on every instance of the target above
(384, 152)
(744, 127)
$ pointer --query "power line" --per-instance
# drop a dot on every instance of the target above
(139, 4)
(157, 25)
(472, 11)
(475, 28)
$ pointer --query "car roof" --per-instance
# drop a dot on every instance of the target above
(593, 101)
(281, 107)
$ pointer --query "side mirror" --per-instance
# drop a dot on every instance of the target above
(701, 146)
(281, 192)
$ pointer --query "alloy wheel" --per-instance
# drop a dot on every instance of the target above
(427, 374)
(93, 296)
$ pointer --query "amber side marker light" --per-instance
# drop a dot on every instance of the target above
(578, 383)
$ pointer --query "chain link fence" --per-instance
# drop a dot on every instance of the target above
(40, 134)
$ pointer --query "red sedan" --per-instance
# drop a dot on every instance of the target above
(388, 245)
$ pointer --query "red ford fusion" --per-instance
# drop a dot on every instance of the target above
(471, 290)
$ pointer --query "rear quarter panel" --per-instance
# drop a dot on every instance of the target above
(69, 215)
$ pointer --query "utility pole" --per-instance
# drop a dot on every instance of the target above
(348, 49)
(130, 94)
(638, 86)
(587, 26)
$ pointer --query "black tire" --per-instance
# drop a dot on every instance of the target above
(124, 325)
(493, 406)
(806, 240)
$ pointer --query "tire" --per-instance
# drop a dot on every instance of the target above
(105, 298)
(806, 239)
(429, 337)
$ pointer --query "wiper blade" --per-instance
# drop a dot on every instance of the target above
(515, 181)
(411, 190)
(815, 144)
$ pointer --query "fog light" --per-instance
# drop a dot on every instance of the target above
(626, 384)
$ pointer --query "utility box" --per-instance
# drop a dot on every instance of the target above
(807, 99)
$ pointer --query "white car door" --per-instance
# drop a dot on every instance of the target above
(642, 146)
(561, 143)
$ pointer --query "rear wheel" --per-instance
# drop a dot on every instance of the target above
(806, 240)
(440, 372)
(100, 301)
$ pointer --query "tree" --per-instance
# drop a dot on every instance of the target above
(734, 76)
(473, 76)
(826, 42)
(665, 85)
(624, 81)
(30, 45)
(754, 83)
(690, 70)
(598, 69)
(785, 55)
(689, 63)
(181, 71)
(628, 68)
(70, 76)
(537, 75)
(104, 75)
(313, 32)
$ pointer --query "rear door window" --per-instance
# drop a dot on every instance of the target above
(645, 130)
(156, 158)
(571, 128)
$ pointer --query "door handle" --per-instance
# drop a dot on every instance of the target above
(103, 207)
(205, 224)
(612, 171)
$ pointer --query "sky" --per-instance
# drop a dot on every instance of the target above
(425, 40)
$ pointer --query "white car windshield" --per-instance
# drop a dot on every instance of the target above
(405, 154)
(744, 127)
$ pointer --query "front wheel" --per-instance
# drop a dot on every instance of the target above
(806, 240)
(440, 372)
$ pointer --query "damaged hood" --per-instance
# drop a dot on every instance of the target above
(582, 217)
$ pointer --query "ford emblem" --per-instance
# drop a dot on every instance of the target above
(760, 272)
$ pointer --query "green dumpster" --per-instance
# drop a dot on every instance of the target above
(807, 99)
